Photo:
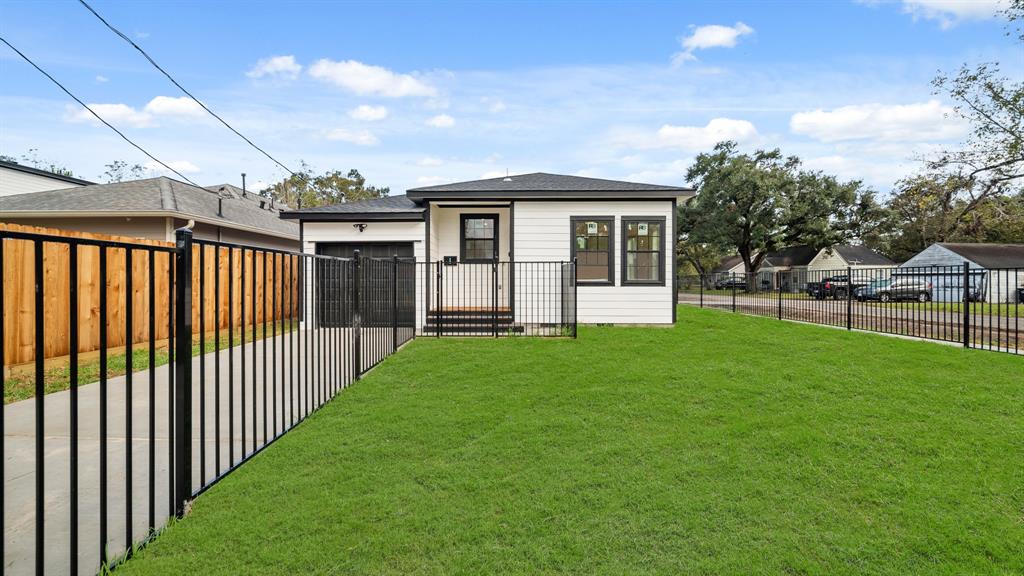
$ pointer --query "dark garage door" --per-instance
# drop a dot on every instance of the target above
(334, 305)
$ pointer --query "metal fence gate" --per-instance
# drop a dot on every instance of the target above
(206, 353)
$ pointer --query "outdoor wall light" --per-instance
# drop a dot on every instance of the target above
(359, 226)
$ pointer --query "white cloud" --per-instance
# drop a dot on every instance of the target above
(365, 79)
(183, 166)
(495, 105)
(358, 137)
(169, 106)
(691, 138)
(100, 79)
(276, 67)
(710, 36)
(898, 123)
(950, 12)
(441, 121)
(429, 161)
(119, 115)
(494, 174)
(430, 180)
(368, 113)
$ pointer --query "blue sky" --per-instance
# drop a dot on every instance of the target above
(416, 94)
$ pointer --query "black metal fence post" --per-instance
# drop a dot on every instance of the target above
(733, 284)
(394, 304)
(183, 369)
(494, 297)
(575, 299)
(702, 278)
(967, 305)
(778, 286)
(849, 298)
(357, 317)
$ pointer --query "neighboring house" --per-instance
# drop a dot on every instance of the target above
(18, 179)
(795, 266)
(619, 232)
(153, 208)
(996, 271)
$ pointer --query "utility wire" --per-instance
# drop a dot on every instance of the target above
(93, 112)
(187, 93)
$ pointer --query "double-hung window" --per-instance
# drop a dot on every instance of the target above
(643, 250)
(478, 239)
(593, 242)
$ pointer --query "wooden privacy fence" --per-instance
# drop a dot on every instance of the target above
(271, 271)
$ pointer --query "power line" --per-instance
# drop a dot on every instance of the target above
(182, 88)
(93, 112)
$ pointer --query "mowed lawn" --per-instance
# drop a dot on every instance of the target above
(727, 445)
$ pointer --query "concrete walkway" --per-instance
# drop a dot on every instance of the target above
(292, 388)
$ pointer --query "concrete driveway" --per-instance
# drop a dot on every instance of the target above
(334, 361)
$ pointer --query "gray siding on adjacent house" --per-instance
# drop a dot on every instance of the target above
(943, 268)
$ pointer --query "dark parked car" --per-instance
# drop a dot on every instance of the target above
(891, 289)
(731, 282)
(835, 287)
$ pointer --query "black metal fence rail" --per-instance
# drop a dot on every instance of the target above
(978, 308)
(112, 460)
(498, 298)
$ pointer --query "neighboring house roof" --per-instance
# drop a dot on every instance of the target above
(540, 184)
(43, 173)
(160, 196)
(388, 207)
(792, 256)
(862, 256)
(990, 255)
(727, 264)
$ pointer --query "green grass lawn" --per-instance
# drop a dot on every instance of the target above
(727, 445)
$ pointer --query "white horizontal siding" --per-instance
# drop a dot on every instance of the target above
(17, 182)
(542, 233)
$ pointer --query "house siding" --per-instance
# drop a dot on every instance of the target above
(17, 182)
(542, 233)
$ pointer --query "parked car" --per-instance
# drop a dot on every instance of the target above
(891, 289)
(730, 282)
(835, 287)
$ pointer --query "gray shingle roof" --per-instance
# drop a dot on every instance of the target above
(990, 255)
(792, 256)
(385, 205)
(160, 194)
(862, 255)
(543, 182)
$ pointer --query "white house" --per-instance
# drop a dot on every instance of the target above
(795, 266)
(18, 179)
(995, 271)
(503, 248)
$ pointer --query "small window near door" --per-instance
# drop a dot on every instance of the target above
(643, 251)
(592, 247)
(479, 238)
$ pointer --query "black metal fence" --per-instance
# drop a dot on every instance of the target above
(978, 308)
(256, 340)
(498, 299)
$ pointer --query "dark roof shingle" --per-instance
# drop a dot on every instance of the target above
(387, 204)
(160, 194)
(543, 182)
(990, 255)
(862, 256)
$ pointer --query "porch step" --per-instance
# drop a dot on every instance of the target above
(470, 329)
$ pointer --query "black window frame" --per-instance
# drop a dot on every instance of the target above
(573, 220)
(625, 222)
(462, 236)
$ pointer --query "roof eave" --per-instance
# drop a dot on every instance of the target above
(354, 216)
(145, 214)
(667, 194)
